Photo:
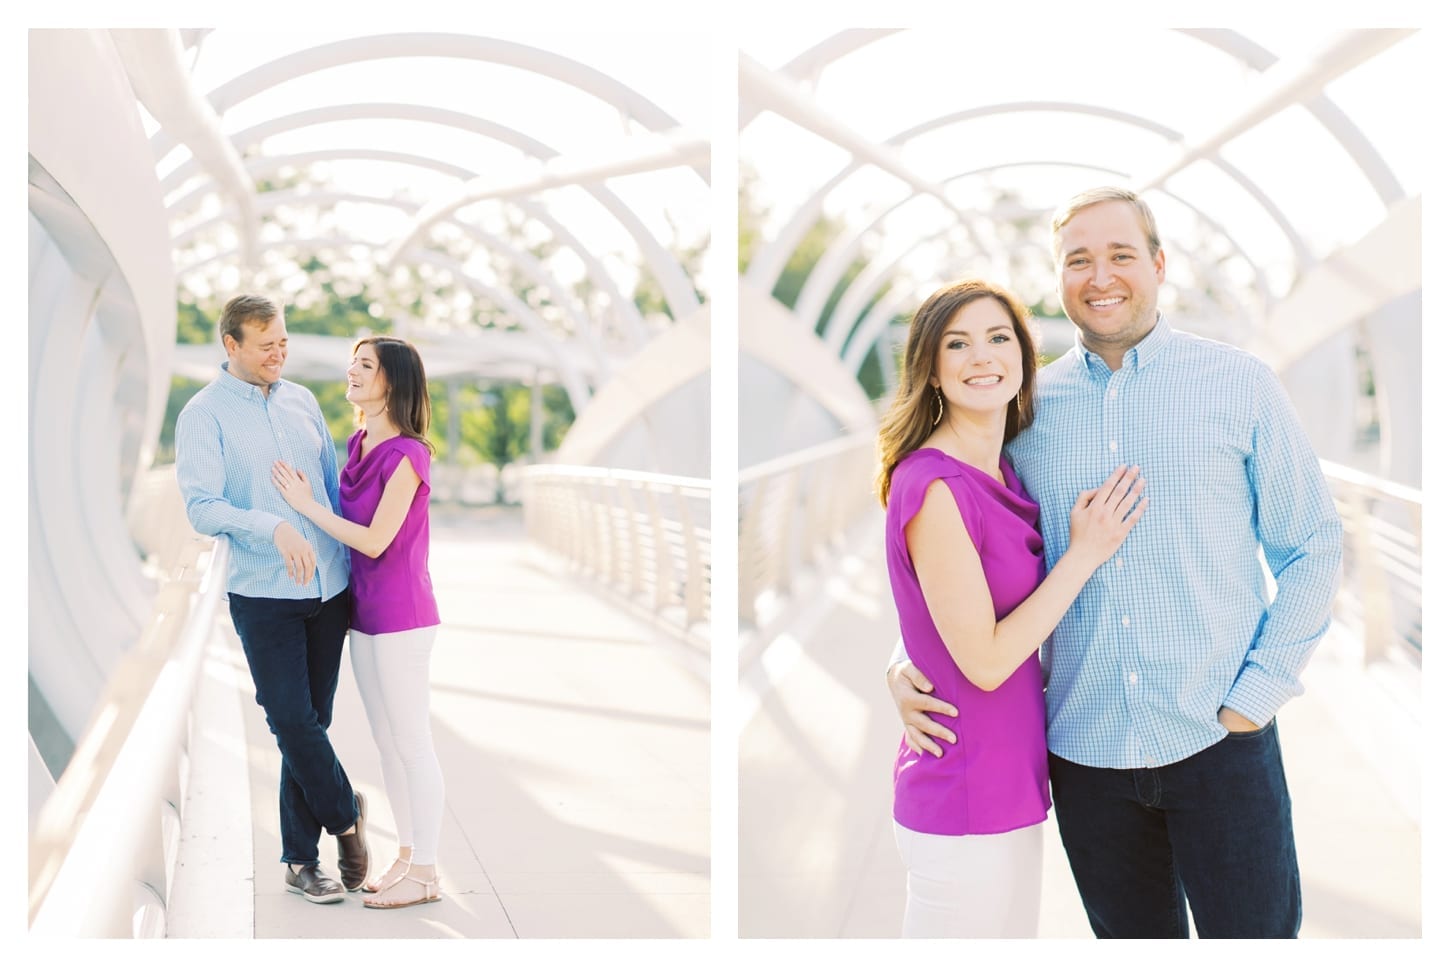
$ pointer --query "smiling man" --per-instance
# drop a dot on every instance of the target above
(286, 580)
(1164, 677)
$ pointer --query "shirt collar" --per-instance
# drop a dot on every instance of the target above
(242, 388)
(1135, 358)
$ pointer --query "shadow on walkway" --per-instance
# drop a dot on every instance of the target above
(575, 751)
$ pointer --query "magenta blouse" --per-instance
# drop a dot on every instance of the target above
(391, 592)
(994, 779)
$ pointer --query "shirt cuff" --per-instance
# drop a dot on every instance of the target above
(263, 526)
(1257, 696)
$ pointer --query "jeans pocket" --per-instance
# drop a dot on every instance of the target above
(1253, 733)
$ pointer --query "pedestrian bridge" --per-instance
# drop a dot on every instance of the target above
(570, 712)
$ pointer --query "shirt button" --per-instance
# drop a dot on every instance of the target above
(1126, 622)
(1118, 562)
(1113, 445)
(1132, 678)
(1112, 394)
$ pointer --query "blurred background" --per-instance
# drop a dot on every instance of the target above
(1285, 169)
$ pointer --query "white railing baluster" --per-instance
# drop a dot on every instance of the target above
(796, 508)
(620, 527)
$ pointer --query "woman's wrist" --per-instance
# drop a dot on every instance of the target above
(1076, 563)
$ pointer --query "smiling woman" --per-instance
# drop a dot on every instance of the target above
(966, 568)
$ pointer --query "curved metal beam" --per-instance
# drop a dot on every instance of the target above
(1284, 85)
(678, 291)
(180, 206)
(766, 267)
(370, 111)
(772, 260)
(489, 49)
(626, 313)
(153, 63)
(808, 64)
(878, 276)
(782, 98)
(1303, 256)
(640, 154)
(1359, 148)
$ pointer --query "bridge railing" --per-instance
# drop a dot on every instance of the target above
(103, 848)
(1383, 547)
(644, 536)
(795, 509)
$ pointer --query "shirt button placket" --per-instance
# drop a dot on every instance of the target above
(1112, 420)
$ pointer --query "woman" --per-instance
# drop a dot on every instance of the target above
(966, 568)
(384, 500)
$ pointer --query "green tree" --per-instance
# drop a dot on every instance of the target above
(751, 216)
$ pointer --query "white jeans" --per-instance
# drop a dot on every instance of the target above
(972, 886)
(392, 678)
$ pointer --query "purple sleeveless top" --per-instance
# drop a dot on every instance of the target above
(994, 779)
(391, 592)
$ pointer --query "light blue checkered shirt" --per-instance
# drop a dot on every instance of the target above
(1179, 622)
(227, 437)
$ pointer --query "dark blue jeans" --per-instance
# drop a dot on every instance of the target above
(1213, 829)
(294, 649)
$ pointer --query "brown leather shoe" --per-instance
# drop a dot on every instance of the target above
(314, 885)
(352, 849)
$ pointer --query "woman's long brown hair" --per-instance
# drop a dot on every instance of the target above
(910, 419)
(408, 403)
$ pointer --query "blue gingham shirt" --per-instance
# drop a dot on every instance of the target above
(227, 437)
(1180, 621)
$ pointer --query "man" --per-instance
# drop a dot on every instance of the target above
(286, 580)
(1164, 678)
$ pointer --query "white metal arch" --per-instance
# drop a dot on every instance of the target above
(855, 349)
(773, 257)
(183, 205)
(679, 293)
(1303, 257)
(626, 313)
(535, 60)
(1304, 86)
(1359, 148)
(153, 62)
(838, 330)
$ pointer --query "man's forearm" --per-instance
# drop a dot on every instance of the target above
(1295, 623)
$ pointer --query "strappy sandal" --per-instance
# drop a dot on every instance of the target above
(430, 893)
(387, 878)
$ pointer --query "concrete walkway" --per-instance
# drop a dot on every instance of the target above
(574, 743)
(817, 855)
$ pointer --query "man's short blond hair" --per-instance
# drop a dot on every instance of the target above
(1096, 196)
